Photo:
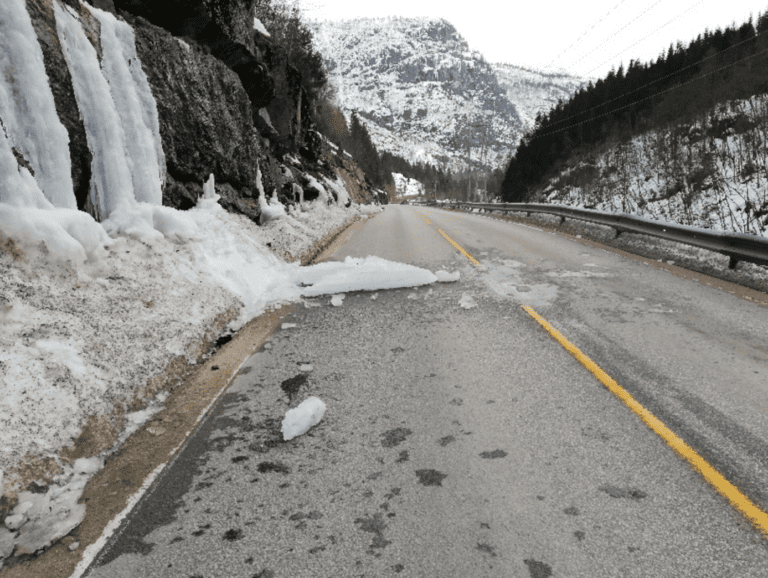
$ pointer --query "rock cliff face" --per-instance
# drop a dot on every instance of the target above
(227, 101)
(205, 121)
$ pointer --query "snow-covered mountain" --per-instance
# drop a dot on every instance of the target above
(423, 94)
(532, 91)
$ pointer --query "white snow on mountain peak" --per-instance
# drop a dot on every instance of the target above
(533, 91)
(426, 96)
(421, 91)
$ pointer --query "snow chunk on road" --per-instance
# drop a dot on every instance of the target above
(337, 300)
(446, 277)
(467, 301)
(300, 419)
(356, 274)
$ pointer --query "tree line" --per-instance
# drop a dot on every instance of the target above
(683, 83)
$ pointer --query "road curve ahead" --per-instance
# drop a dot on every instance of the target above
(467, 441)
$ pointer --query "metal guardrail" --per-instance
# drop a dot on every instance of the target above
(738, 246)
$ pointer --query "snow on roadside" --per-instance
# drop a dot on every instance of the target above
(79, 337)
(83, 336)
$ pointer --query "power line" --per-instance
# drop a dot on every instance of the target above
(653, 95)
(648, 36)
(620, 30)
(662, 78)
(575, 42)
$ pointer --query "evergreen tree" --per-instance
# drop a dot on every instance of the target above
(683, 82)
(285, 26)
(365, 152)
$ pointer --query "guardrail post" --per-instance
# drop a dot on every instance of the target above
(562, 219)
(618, 232)
(732, 262)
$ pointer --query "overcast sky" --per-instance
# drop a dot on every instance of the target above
(584, 38)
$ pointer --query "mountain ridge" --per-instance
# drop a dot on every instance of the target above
(422, 92)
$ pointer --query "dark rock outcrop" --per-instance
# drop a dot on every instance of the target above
(225, 27)
(205, 119)
(288, 111)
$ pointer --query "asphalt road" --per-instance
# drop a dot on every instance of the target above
(469, 442)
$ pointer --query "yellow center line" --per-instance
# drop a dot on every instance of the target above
(458, 247)
(452, 242)
(738, 500)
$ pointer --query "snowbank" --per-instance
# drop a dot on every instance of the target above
(67, 234)
(81, 339)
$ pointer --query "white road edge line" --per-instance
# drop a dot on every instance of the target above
(90, 553)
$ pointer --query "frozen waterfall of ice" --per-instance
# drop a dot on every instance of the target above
(29, 119)
(111, 182)
(135, 106)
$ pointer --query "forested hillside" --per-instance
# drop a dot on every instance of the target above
(684, 126)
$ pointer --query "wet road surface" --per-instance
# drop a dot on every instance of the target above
(467, 442)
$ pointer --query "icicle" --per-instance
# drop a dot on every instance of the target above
(209, 190)
(17, 186)
(135, 105)
(111, 175)
(28, 111)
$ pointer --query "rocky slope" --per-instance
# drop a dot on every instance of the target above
(423, 94)
(535, 92)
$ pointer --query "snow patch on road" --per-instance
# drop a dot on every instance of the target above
(467, 301)
(299, 420)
